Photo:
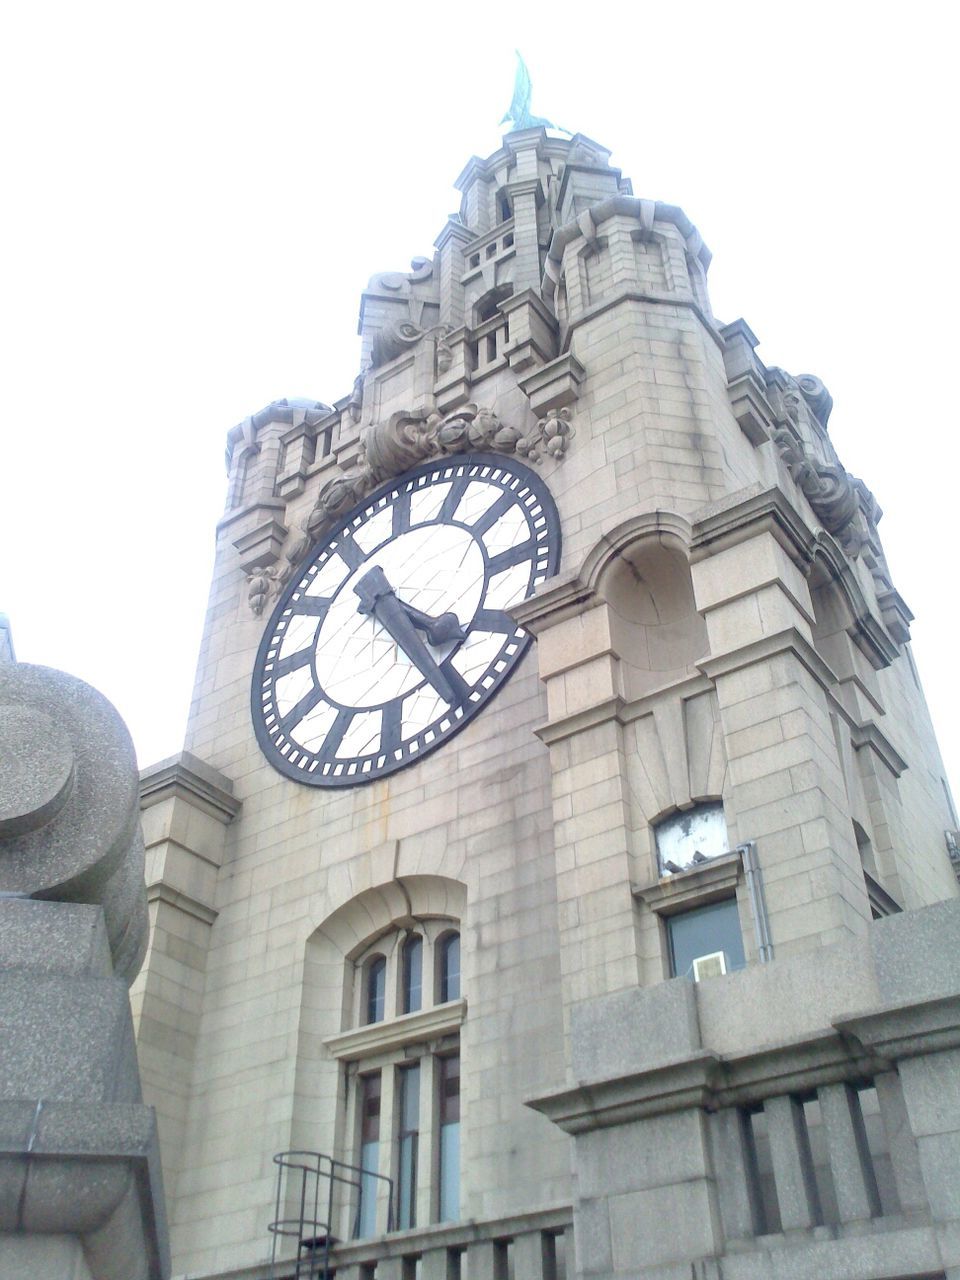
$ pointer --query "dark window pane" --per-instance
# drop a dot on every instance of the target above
(376, 989)
(450, 968)
(366, 1222)
(449, 1090)
(412, 974)
(409, 1113)
(703, 932)
(449, 1205)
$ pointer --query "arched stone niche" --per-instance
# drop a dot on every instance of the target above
(655, 627)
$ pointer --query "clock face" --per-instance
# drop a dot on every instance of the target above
(397, 633)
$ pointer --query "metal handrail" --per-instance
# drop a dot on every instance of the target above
(313, 1233)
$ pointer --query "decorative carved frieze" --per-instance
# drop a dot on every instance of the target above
(406, 439)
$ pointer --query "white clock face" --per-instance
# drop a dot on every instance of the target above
(397, 631)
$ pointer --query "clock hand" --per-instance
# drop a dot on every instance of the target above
(439, 630)
(377, 599)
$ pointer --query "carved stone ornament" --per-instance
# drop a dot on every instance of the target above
(398, 336)
(264, 586)
(405, 440)
(831, 491)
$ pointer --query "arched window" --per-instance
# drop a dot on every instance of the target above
(376, 989)
(412, 974)
(449, 967)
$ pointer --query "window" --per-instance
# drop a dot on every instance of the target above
(376, 988)
(408, 1133)
(400, 1043)
(706, 941)
(369, 1153)
(412, 974)
(449, 956)
(449, 1111)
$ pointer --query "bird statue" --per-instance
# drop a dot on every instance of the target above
(518, 113)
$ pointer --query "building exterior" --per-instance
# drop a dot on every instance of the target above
(560, 834)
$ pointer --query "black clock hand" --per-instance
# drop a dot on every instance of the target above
(377, 599)
(439, 630)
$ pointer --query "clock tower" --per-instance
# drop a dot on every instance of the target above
(554, 882)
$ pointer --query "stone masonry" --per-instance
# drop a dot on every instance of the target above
(722, 645)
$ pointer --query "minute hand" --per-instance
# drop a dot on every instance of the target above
(377, 598)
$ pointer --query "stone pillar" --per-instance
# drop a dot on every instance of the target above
(786, 787)
(186, 807)
(81, 1194)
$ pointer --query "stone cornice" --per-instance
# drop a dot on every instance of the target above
(697, 883)
(854, 1047)
(161, 892)
(638, 295)
(185, 777)
(869, 734)
(789, 640)
(395, 1033)
(744, 515)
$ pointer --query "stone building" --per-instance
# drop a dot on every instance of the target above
(559, 842)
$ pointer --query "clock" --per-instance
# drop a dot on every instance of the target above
(396, 632)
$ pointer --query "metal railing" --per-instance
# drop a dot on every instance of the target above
(308, 1184)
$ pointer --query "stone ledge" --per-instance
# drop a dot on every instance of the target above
(185, 777)
(395, 1033)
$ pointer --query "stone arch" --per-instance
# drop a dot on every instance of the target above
(325, 996)
(641, 569)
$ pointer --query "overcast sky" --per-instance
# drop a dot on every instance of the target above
(196, 194)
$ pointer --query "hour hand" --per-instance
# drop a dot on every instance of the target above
(378, 599)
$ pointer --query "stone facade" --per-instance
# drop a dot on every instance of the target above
(722, 645)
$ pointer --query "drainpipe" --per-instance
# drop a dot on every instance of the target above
(754, 879)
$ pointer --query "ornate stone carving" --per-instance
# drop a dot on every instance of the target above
(263, 586)
(831, 491)
(398, 336)
(406, 439)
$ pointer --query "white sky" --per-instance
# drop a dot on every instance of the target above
(196, 194)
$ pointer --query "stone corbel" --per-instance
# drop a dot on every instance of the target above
(555, 385)
(746, 385)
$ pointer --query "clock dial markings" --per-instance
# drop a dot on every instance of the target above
(477, 653)
(301, 709)
(300, 634)
(335, 734)
(512, 556)
(508, 587)
(400, 522)
(290, 689)
(292, 662)
(376, 530)
(327, 578)
(350, 553)
(363, 737)
(478, 498)
(342, 698)
(314, 606)
(425, 503)
(506, 531)
(455, 682)
(506, 502)
(419, 710)
(494, 620)
(391, 733)
(458, 487)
